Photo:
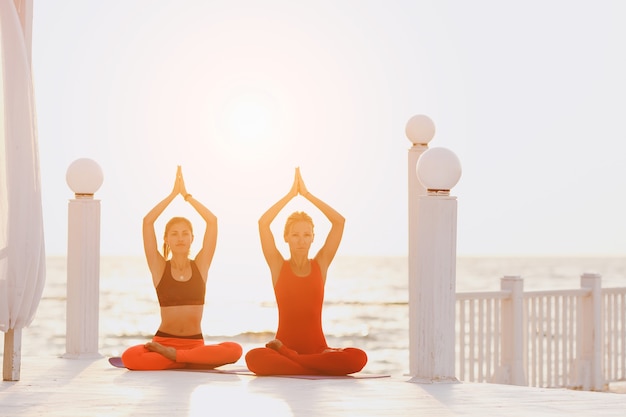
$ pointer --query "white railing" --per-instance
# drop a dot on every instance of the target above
(562, 338)
(614, 337)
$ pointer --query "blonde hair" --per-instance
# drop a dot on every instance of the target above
(168, 226)
(297, 216)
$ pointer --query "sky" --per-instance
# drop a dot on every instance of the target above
(530, 96)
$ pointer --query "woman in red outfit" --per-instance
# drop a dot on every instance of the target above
(300, 346)
(180, 284)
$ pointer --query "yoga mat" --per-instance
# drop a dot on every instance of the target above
(245, 371)
(117, 362)
(351, 376)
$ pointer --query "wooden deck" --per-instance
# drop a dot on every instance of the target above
(91, 387)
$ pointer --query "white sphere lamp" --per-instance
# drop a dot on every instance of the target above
(420, 129)
(84, 177)
(438, 169)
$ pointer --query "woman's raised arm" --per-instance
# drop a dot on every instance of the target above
(209, 241)
(327, 252)
(155, 260)
(272, 255)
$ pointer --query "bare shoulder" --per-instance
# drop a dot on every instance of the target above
(156, 265)
(275, 268)
(203, 267)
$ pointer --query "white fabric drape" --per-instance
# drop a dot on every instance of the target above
(22, 252)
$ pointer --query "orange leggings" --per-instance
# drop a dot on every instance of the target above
(189, 352)
(266, 361)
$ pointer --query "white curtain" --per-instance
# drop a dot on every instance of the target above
(22, 252)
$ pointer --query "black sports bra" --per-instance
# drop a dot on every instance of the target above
(181, 293)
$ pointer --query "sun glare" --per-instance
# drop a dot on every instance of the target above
(251, 118)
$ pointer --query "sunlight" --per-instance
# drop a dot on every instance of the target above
(227, 399)
(251, 120)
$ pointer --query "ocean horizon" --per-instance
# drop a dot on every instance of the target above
(366, 302)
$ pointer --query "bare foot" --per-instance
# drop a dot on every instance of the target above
(168, 352)
(274, 344)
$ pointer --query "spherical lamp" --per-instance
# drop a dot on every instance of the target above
(420, 129)
(84, 177)
(438, 169)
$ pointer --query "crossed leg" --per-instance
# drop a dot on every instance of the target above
(174, 353)
(278, 359)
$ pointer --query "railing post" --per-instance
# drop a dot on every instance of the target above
(511, 370)
(587, 371)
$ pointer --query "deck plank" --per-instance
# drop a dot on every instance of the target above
(91, 387)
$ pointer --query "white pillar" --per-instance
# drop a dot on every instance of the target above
(432, 301)
(83, 261)
(419, 130)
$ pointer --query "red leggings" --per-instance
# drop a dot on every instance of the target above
(189, 352)
(266, 361)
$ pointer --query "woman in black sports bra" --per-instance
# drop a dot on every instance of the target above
(180, 284)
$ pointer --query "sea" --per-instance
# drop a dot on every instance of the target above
(366, 302)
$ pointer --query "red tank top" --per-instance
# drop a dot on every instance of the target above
(181, 293)
(300, 302)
